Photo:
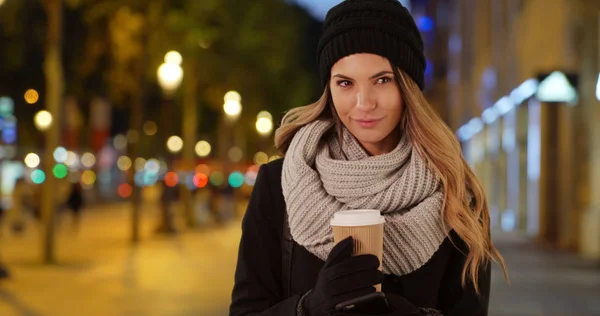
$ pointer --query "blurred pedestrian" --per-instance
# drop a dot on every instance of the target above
(21, 204)
(75, 203)
(371, 141)
(168, 195)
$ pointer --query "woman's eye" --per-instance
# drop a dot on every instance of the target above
(343, 83)
(384, 80)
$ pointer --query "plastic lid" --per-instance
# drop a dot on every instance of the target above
(357, 218)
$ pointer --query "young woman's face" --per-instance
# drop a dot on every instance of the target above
(367, 100)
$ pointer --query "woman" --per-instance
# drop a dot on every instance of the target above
(371, 142)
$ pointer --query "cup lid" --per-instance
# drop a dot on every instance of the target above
(357, 218)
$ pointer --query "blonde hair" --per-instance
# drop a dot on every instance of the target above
(437, 145)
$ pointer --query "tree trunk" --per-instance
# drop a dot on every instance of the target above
(53, 72)
(190, 123)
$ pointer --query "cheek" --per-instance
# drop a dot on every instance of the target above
(342, 103)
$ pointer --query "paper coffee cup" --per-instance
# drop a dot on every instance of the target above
(365, 227)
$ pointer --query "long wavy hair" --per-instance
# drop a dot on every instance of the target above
(437, 145)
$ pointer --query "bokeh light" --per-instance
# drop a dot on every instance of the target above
(32, 160)
(174, 144)
(88, 160)
(173, 57)
(124, 163)
(124, 190)
(140, 163)
(152, 165)
(274, 157)
(38, 176)
(150, 128)
(72, 159)
(260, 158)
(264, 114)
(217, 178)
(60, 171)
(232, 96)
(88, 177)
(236, 179)
(203, 148)
(264, 126)
(232, 108)
(60, 155)
(171, 179)
(31, 96)
(42, 120)
(200, 180)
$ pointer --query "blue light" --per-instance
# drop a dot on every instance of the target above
(9, 135)
(425, 23)
(428, 68)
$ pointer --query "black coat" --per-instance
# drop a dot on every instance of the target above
(258, 288)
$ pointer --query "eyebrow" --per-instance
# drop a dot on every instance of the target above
(379, 74)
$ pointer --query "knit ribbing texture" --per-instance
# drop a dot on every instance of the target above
(320, 177)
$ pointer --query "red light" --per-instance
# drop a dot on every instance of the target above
(171, 179)
(124, 190)
(200, 180)
(253, 168)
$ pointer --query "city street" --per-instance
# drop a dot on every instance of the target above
(100, 273)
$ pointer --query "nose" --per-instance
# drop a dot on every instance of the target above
(365, 100)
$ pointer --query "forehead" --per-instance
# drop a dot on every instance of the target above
(362, 64)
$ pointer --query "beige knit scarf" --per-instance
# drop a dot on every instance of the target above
(320, 178)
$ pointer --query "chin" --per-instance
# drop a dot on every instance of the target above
(369, 137)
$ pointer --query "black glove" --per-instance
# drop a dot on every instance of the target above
(399, 306)
(343, 277)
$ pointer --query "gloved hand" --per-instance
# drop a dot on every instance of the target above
(343, 277)
(399, 306)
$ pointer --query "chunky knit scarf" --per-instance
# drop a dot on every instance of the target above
(320, 177)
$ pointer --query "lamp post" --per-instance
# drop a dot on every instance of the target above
(170, 75)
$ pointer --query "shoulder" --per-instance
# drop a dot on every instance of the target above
(269, 175)
(267, 189)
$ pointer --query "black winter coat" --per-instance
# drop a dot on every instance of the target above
(258, 288)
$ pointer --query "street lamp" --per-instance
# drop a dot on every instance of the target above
(42, 119)
(174, 144)
(264, 123)
(233, 105)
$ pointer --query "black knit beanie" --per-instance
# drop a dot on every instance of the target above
(381, 27)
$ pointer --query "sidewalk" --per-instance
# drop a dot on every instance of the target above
(101, 273)
(543, 282)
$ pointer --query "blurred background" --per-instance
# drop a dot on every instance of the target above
(132, 132)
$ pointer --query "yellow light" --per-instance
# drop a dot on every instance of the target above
(43, 120)
(140, 164)
(31, 96)
(124, 163)
(235, 154)
(274, 157)
(264, 114)
(150, 128)
(88, 177)
(174, 144)
(264, 126)
(32, 160)
(173, 57)
(169, 76)
(232, 108)
(88, 160)
(203, 148)
(233, 96)
(260, 158)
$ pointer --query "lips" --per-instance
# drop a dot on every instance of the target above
(368, 122)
